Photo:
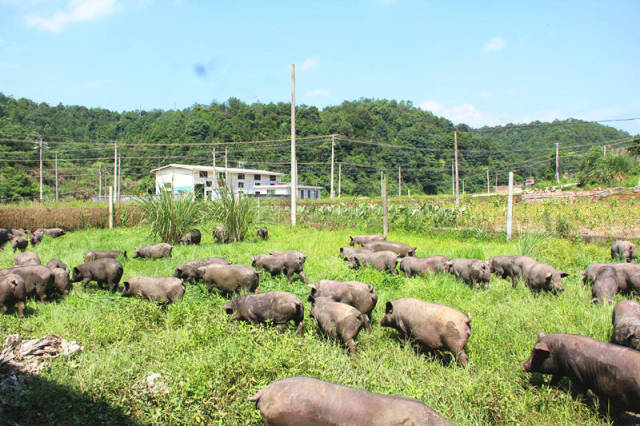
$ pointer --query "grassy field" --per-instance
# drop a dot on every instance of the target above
(211, 365)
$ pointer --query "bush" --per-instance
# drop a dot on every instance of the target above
(236, 212)
(608, 170)
(170, 216)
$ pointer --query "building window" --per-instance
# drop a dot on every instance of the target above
(273, 178)
(203, 174)
(256, 183)
(208, 183)
(257, 177)
(240, 175)
(240, 184)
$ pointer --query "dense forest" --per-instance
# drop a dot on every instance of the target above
(371, 135)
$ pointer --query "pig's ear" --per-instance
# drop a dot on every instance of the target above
(548, 276)
(311, 298)
(389, 308)
(563, 274)
(541, 346)
(75, 271)
(126, 285)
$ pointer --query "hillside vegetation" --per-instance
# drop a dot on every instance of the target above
(422, 144)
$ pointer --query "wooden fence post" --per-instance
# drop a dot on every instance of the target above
(510, 206)
(111, 207)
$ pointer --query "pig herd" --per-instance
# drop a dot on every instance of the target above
(342, 308)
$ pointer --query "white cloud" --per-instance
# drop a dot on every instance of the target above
(464, 113)
(76, 11)
(318, 93)
(494, 45)
(309, 63)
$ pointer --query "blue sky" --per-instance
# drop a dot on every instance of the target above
(480, 63)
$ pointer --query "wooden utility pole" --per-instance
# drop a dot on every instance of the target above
(333, 141)
(41, 170)
(111, 207)
(510, 206)
(99, 181)
(557, 163)
(399, 181)
(294, 168)
(385, 212)
(56, 176)
(455, 138)
(115, 169)
(488, 186)
(340, 179)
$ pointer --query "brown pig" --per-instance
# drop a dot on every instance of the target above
(435, 326)
(27, 258)
(380, 260)
(278, 307)
(610, 371)
(12, 292)
(413, 266)
(361, 240)
(303, 401)
(155, 251)
(626, 324)
(229, 278)
(157, 289)
(361, 296)
(338, 320)
(188, 271)
(401, 249)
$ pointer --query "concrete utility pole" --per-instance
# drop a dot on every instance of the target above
(340, 179)
(226, 172)
(214, 187)
(453, 180)
(333, 141)
(557, 163)
(56, 176)
(462, 186)
(100, 181)
(488, 187)
(385, 211)
(111, 207)
(455, 138)
(115, 169)
(41, 169)
(510, 206)
(294, 168)
(119, 178)
(399, 181)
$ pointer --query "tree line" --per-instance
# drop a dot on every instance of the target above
(422, 144)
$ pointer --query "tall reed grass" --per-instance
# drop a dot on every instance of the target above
(170, 216)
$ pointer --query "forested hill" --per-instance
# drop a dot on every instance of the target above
(422, 144)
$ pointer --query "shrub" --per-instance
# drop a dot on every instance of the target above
(236, 212)
(170, 216)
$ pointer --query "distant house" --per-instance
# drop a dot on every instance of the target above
(205, 182)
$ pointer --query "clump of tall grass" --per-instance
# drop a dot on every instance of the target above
(532, 244)
(170, 216)
(237, 213)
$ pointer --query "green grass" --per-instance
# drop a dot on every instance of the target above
(212, 365)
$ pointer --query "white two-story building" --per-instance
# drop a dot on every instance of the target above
(205, 181)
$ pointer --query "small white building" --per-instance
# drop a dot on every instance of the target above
(204, 181)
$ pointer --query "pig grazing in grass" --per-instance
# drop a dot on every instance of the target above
(401, 249)
(338, 320)
(624, 250)
(626, 324)
(610, 371)
(54, 232)
(38, 280)
(61, 280)
(521, 266)
(103, 254)
(157, 289)
(380, 260)
(19, 243)
(220, 234)
(471, 271)
(57, 263)
(293, 263)
(278, 307)
(502, 266)
(188, 271)
(103, 271)
(263, 233)
(229, 278)
(192, 237)
(347, 251)
(156, 251)
(436, 327)
(12, 292)
(541, 276)
(361, 296)
(304, 401)
(413, 266)
(361, 240)
(36, 237)
(26, 259)
(605, 286)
